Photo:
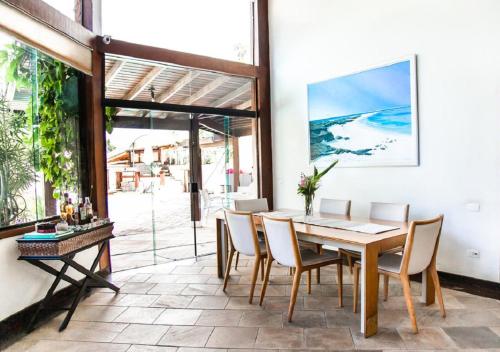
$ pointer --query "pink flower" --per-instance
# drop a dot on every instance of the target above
(302, 180)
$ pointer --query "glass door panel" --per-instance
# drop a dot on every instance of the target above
(228, 157)
(148, 181)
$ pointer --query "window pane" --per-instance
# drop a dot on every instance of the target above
(217, 28)
(39, 133)
(66, 7)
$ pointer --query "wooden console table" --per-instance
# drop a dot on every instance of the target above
(64, 249)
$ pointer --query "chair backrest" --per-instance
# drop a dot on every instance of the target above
(335, 206)
(206, 197)
(253, 205)
(389, 211)
(421, 245)
(281, 241)
(242, 232)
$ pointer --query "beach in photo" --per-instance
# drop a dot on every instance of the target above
(364, 119)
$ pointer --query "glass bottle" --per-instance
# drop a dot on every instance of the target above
(82, 211)
(88, 208)
(69, 211)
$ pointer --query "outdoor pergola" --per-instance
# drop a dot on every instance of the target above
(137, 80)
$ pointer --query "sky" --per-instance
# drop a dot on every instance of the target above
(206, 27)
(367, 91)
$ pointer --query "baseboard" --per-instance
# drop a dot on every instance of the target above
(466, 284)
(14, 327)
(470, 285)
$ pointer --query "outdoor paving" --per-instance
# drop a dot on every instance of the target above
(173, 239)
(180, 306)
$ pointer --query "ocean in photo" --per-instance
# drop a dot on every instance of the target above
(363, 134)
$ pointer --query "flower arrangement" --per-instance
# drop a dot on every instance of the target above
(309, 185)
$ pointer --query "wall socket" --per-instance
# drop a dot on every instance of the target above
(473, 253)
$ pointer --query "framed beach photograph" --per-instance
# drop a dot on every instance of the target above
(367, 118)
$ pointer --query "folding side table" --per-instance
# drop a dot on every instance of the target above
(64, 249)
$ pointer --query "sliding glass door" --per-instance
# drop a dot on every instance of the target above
(149, 198)
(179, 152)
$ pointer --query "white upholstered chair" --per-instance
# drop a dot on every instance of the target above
(333, 207)
(283, 246)
(419, 254)
(243, 239)
(389, 211)
(254, 206)
(381, 211)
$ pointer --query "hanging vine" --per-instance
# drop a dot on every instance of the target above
(57, 111)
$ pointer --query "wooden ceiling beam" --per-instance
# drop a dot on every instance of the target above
(143, 83)
(233, 95)
(245, 105)
(177, 86)
(145, 52)
(113, 71)
(206, 89)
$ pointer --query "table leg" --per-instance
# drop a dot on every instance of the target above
(89, 274)
(428, 289)
(49, 294)
(369, 290)
(53, 271)
(221, 248)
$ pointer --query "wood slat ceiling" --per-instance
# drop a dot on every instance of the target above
(124, 76)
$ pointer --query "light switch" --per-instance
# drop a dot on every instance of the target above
(473, 207)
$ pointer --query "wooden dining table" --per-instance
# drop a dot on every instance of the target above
(368, 245)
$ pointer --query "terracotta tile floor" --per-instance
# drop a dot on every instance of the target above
(180, 306)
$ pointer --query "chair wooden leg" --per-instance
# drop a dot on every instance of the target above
(340, 284)
(349, 262)
(290, 271)
(237, 260)
(309, 281)
(255, 274)
(405, 281)
(439, 293)
(295, 290)
(266, 280)
(356, 289)
(228, 268)
(319, 250)
(262, 267)
(386, 287)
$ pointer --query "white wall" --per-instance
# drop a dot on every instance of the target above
(458, 48)
(22, 284)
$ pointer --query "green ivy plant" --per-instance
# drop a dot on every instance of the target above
(109, 113)
(57, 111)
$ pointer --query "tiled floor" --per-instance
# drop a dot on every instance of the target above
(180, 306)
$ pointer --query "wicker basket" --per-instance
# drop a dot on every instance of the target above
(59, 248)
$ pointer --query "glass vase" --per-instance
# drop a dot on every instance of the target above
(308, 204)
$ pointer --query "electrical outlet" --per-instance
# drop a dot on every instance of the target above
(473, 253)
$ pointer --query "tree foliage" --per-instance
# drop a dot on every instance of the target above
(16, 168)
